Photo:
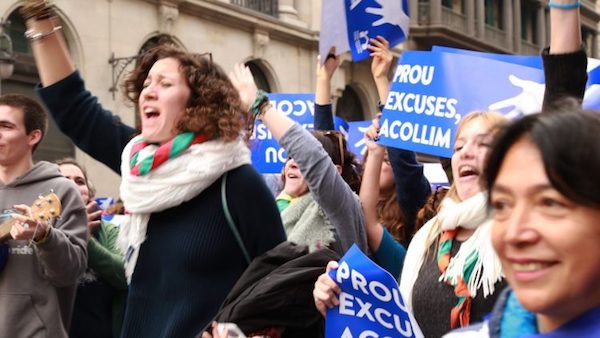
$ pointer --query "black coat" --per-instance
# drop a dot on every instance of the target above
(276, 291)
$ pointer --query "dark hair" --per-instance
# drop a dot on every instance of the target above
(34, 116)
(569, 143)
(72, 161)
(350, 168)
(214, 108)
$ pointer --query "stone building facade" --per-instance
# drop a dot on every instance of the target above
(278, 39)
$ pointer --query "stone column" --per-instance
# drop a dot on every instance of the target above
(508, 22)
(541, 25)
(517, 25)
(413, 11)
(480, 15)
(435, 11)
(470, 13)
(287, 10)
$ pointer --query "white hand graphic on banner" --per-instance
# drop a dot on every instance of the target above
(529, 101)
(390, 12)
(361, 144)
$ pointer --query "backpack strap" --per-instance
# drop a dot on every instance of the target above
(230, 221)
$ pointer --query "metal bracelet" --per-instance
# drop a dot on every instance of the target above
(33, 35)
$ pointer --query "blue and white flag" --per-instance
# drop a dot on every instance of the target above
(431, 92)
(591, 99)
(348, 24)
(267, 156)
(370, 302)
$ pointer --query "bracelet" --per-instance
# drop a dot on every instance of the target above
(555, 5)
(259, 102)
(33, 35)
(380, 106)
(263, 109)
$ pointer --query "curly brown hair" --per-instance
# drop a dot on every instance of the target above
(214, 108)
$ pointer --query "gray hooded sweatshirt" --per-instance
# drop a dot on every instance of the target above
(37, 286)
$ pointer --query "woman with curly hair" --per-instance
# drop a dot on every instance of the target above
(186, 179)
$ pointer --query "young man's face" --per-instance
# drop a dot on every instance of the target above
(15, 143)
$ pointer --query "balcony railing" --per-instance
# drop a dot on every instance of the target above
(528, 48)
(453, 20)
(495, 36)
(268, 7)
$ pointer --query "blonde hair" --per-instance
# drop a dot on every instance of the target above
(495, 121)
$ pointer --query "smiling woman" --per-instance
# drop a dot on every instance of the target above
(544, 183)
(188, 165)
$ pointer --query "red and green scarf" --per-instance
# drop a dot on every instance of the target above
(164, 152)
(461, 313)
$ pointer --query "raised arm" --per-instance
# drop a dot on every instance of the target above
(565, 62)
(412, 188)
(323, 119)
(48, 44)
(76, 111)
(327, 186)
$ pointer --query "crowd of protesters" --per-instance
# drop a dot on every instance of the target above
(503, 252)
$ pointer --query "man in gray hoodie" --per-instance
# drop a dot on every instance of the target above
(38, 283)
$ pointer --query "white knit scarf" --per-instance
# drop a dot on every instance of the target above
(176, 181)
(469, 214)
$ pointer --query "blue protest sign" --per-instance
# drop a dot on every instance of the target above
(431, 92)
(370, 302)
(267, 156)
(369, 18)
(104, 202)
(592, 93)
(534, 61)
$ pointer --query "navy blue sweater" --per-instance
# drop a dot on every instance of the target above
(190, 259)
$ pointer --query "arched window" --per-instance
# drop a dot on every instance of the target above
(262, 82)
(349, 106)
(55, 144)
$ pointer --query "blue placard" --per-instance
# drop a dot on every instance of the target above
(431, 92)
(592, 94)
(368, 18)
(534, 61)
(267, 156)
(370, 302)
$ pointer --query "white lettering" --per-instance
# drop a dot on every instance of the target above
(346, 304)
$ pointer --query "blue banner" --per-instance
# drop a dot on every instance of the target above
(369, 18)
(592, 93)
(370, 302)
(431, 92)
(267, 156)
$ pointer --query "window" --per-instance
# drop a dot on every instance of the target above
(262, 82)
(493, 13)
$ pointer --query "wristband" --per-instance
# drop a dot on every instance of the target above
(556, 5)
(33, 35)
(380, 106)
(259, 102)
